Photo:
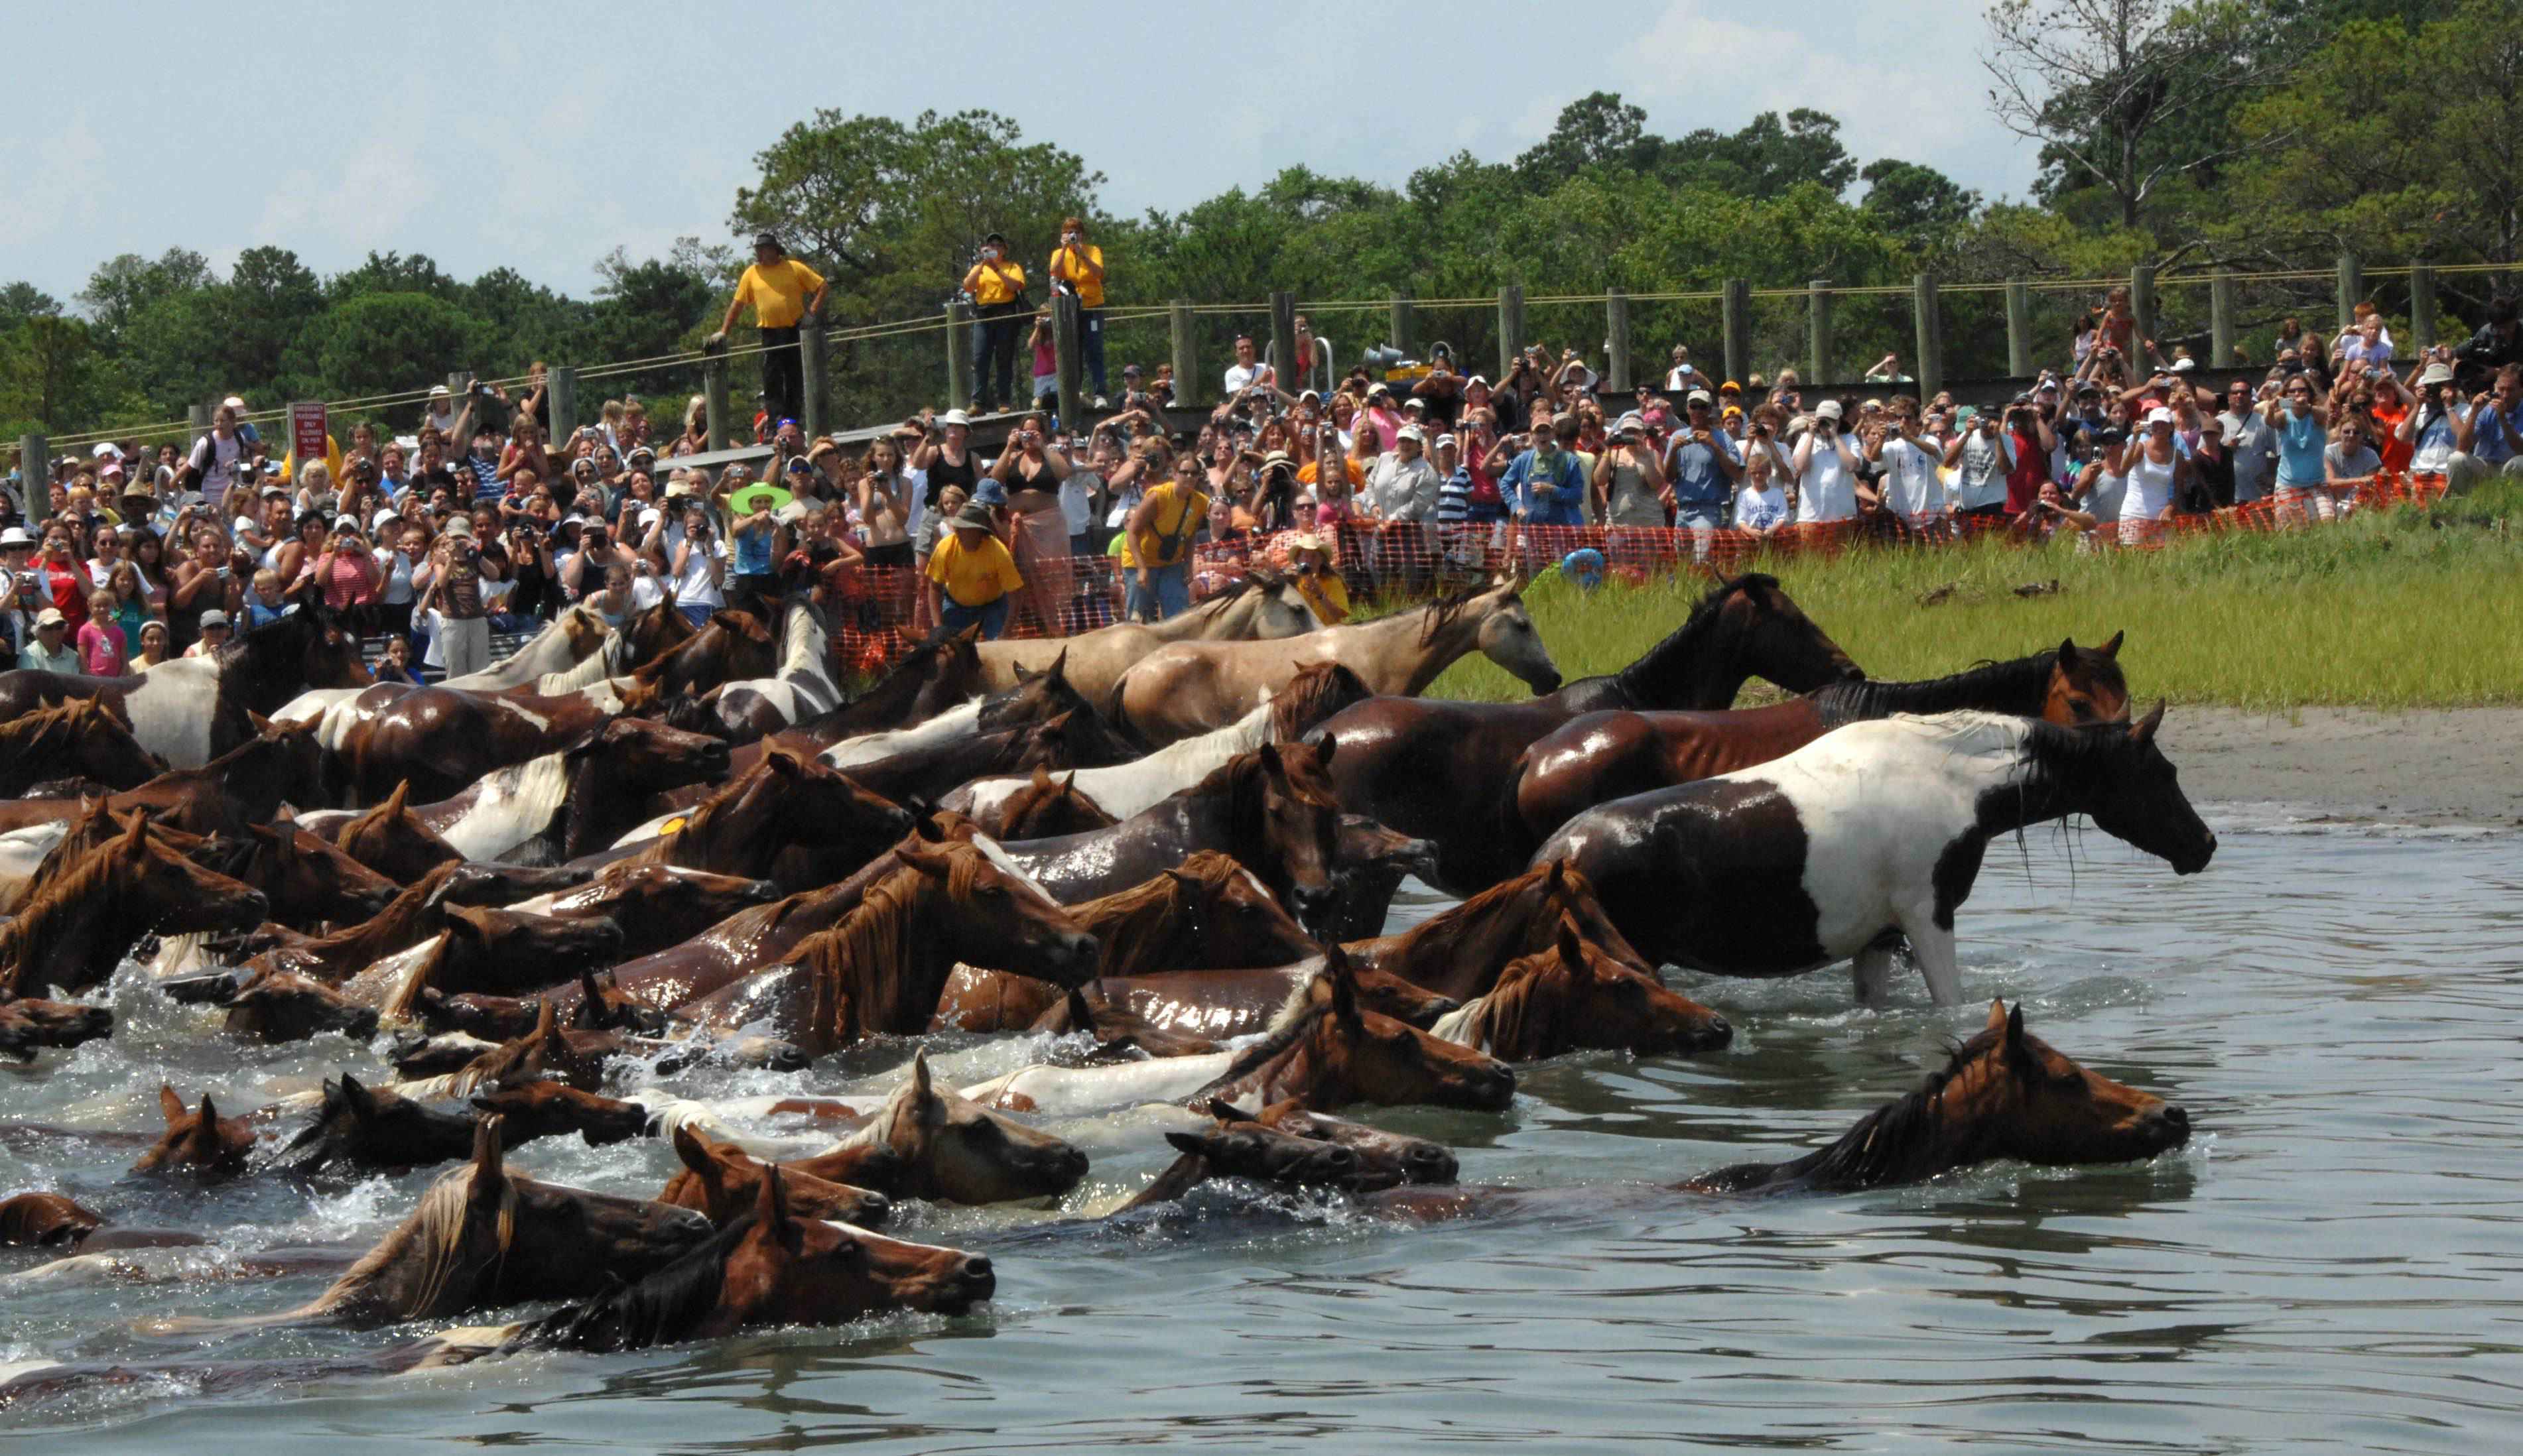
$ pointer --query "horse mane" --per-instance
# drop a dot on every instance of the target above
(1441, 936)
(1504, 1021)
(658, 1309)
(1139, 917)
(390, 923)
(1274, 1043)
(44, 730)
(59, 897)
(437, 1227)
(2016, 686)
(382, 817)
(875, 933)
(1239, 781)
(1435, 615)
(1703, 615)
(1313, 695)
(1889, 1145)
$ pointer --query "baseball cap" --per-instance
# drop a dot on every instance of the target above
(1127, 370)
(2158, 415)
(2184, 366)
(1828, 410)
(51, 617)
(214, 618)
(1730, 384)
(1412, 433)
(1443, 442)
(1414, 403)
(1698, 397)
(232, 402)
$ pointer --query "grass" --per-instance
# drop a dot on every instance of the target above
(2402, 609)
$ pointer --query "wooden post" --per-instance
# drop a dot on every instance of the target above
(1186, 352)
(1617, 341)
(1283, 339)
(811, 377)
(1817, 332)
(959, 354)
(460, 388)
(1510, 327)
(197, 420)
(35, 475)
(714, 394)
(2142, 307)
(2351, 287)
(1929, 314)
(2021, 355)
(560, 396)
(1066, 351)
(1404, 330)
(2220, 320)
(2423, 306)
(1735, 314)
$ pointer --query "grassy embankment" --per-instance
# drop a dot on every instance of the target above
(2404, 609)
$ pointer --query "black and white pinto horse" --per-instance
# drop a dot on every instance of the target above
(757, 706)
(1872, 829)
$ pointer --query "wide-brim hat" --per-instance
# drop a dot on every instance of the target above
(744, 500)
(973, 516)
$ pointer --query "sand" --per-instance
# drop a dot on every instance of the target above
(2435, 766)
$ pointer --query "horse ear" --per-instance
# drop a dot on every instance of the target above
(1024, 673)
(1186, 1141)
(771, 1207)
(1996, 1016)
(170, 1105)
(2112, 648)
(1226, 1111)
(135, 834)
(1059, 666)
(1324, 747)
(206, 1133)
(394, 801)
(1571, 950)
(490, 1178)
(2068, 655)
(1041, 776)
(1559, 878)
(1271, 761)
(687, 1147)
(922, 859)
(2144, 731)
(1081, 1016)
(362, 1101)
(921, 1085)
(1344, 995)
(546, 1020)
(2018, 1054)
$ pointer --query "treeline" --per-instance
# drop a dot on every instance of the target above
(2260, 137)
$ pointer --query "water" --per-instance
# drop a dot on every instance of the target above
(2328, 1265)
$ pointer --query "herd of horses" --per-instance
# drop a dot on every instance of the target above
(549, 890)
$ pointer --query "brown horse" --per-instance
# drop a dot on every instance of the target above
(28, 1025)
(360, 1129)
(2005, 1093)
(1374, 859)
(784, 801)
(77, 925)
(1044, 808)
(1178, 1006)
(657, 906)
(1573, 998)
(1446, 770)
(438, 740)
(82, 738)
(1461, 951)
(392, 840)
(1208, 914)
(732, 646)
(1599, 757)
(927, 1142)
(1187, 688)
(280, 1006)
(245, 785)
(308, 880)
(416, 915)
(880, 970)
(44, 1220)
(722, 1180)
(1384, 1159)
(198, 1142)
(1274, 810)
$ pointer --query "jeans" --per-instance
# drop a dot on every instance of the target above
(783, 376)
(1168, 596)
(994, 337)
(992, 616)
(1090, 341)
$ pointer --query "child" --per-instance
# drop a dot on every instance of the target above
(263, 605)
(153, 646)
(100, 648)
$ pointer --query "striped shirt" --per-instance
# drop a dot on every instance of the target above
(1454, 495)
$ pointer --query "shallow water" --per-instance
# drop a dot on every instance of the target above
(2326, 1266)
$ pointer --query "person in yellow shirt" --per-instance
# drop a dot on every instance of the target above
(1317, 580)
(971, 575)
(1159, 556)
(997, 286)
(1077, 265)
(782, 291)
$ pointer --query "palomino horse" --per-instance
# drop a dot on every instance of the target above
(1599, 757)
(77, 925)
(1332, 1054)
(80, 739)
(1188, 688)
(1265, 606)
(2005, 1093)
(1573, 998)
(1310, 697)
(881, 969)
(1273, 810)
(1873, 828)
(194, 709)
(1442, 771)
(800, 688)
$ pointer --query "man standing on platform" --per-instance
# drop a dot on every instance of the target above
(783, 292)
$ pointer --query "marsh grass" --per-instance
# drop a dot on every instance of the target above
(2401, 609)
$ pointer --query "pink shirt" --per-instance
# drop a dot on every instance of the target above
(100, 649)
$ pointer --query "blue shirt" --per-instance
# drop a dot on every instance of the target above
(1566, 503)
(2300, 441)
(754, 551)
(486, 482)
(1697, 479)
(2499, 436)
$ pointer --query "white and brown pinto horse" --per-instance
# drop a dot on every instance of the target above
(1188, 688)
(1872, 828)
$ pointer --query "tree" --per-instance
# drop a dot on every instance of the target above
(386, 344)
(54, 378)
(127, 283)
(1598, 130)
(1766, 158)
(2125, 94)
(1920, 205)
(20, 301)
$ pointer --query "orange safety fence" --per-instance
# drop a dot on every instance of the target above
(878, 616)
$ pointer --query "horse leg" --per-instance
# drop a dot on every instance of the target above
(1871, 973)
(1932, 945)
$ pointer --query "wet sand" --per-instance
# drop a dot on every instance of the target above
(2427, 767)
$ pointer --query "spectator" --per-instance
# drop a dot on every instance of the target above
(1546, 485)
(1032, 471)
(1403, 486)
(1157, 537)
(783, 292)
(1911, 487)
(2350, 462)
(1078, 266)
(2100, 488)
(50, 651)
(883, 495)
(60, 576)
(2433, 426)
(218, 460)
(1046, 360)
(1887, 371)
(699, 564)
(2049, 514)
(2156, 472)
(997, 286)
(1684, 375)
(396, 666)
(153, 646)
(2300, 426)
(215, 635)
(103, 651)
(971, 575)
(2498, 341)
(600, 550)
(1699, 470)
(1761, 505)
(2488, 440)
(265, 602)
(1310, 558)
(1248, 375)
(2030, 444)
(460, 627)
(1824, 468)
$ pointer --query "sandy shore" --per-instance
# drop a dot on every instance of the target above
(2458, 766)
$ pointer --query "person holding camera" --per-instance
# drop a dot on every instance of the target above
(1032, 472)
(598, 551)
(1155, 554)
(1077, 268)
(1824, 466)
(452, 601)
(782, 291)
(997, 287)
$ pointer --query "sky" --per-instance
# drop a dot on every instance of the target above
(541, 139)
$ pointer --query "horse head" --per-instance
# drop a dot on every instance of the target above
(1000, 918)
(360, 1129)
(1384, 1159)
(1237, 919)
(281, 1006)
(167, 893)
(1508, 637)
(28, 1024)
(44, 1220)
(1248, 1150)
(2086, 685)
(722, 1180)
(551, 1110)
(1373, 1057)
(785, 1269)
(2120, 778)
(197, 1141)
(957, 1150)
(546, 1241)
(1299, 818)
(650, 756)
(1574, 995)
(307, 878)
(601, 1005)
(2009, 1093)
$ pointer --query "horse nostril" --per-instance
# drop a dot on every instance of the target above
(975, 1267)
(874, 1209)
(2174, 1114)
(1719, 1030)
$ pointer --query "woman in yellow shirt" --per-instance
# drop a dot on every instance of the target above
(1158, 559)
(970, 574)
(1078, 265)
(997, 287)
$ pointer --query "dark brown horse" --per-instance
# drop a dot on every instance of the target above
(392, 840)
(1599, 757)
(410, 918)
(438, 740)
(78, 923)
(29, 1024)
(308, 880)
(198, 1142)
(245, 785)
(1445, 770)
(1460, 951)
(927, 1142)
(360, 1130)
(2004, 1094)
(1045, 808)
(881, 969)
(81, 739)
(280, 1006)
(657, 906)
(932, 677)
(784, 802)
(1274, 810)
(732, 646)
(44, 1220)
(722, 1180)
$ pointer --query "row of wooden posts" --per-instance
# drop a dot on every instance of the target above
(2023, 351)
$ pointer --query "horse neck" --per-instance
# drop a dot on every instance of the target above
(803, 643)
(1437, 952)
(892, 957)
(1140, 928)
(588, 671)
(59, 933)
(1403, 657)
(1699, 665)
(2020, 688)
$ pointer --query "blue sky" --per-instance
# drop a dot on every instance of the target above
(541, 137)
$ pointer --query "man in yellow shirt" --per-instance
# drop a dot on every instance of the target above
(1077, 265)
(997, 286)
(971, 575)
(1158, 559)
(783, 292)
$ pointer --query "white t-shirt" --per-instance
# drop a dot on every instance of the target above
(2149, 495)
(1077, 499)
(693, 587)
(1240, 376)
(1758, 510)
(1911, 484)
(1826, 491)
(217, 460)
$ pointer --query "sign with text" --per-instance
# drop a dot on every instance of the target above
(307, 439)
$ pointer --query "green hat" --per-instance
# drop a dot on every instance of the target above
(760, 495)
